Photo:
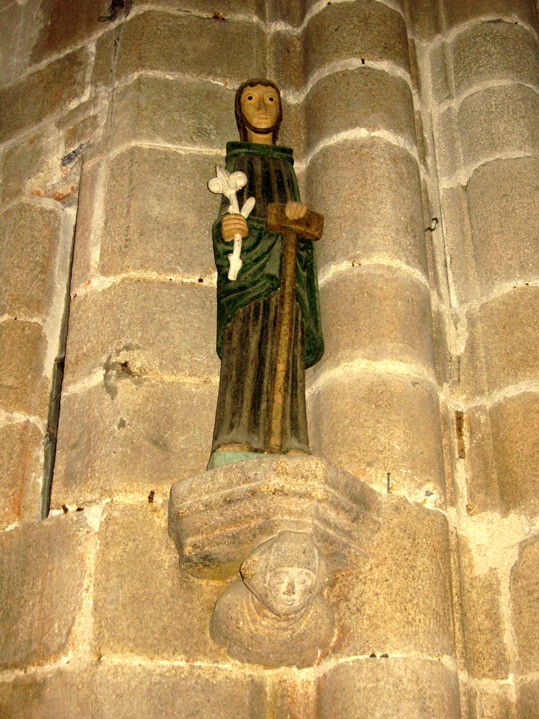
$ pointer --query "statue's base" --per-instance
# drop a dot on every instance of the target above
(218, 517)
(220, 458)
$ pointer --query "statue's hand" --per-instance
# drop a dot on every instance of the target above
(233, 225)
(295, 210)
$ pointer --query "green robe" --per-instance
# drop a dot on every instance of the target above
(271, 178)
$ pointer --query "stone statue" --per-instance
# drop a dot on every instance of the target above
(259, 381)
(276, 614)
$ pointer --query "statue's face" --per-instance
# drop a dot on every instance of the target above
(260, 106)
(289, 589)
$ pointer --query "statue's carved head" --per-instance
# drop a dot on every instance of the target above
(286, 572)
(258, 109)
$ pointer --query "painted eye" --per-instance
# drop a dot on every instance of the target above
(249, 97)
(271, 99)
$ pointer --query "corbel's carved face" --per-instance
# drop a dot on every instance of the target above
(289, 589)
(260, 107)
(285, 572)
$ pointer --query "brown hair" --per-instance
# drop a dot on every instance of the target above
(240, 120)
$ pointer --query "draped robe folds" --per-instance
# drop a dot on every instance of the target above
(247, 310)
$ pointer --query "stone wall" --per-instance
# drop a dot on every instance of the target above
(399, 112)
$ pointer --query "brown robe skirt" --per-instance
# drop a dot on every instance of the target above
(245, 385)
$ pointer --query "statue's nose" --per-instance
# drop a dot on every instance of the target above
(290, 587)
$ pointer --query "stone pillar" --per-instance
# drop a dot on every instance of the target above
(480, 71)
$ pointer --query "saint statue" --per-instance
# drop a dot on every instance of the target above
(249, 311)
(276, 614)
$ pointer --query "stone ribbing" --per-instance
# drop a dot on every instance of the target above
(480, 90)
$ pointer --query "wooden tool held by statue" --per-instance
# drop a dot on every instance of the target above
(308, 227)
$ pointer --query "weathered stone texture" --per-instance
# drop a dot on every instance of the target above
(84, 262)
(371, 424)
(66, 23)
(485, 704)
(28, 251)
(368, 192)
(158, 213)
(22, 351)
(481, 477)
(401, 601)
(376, 313)
(425, 19)
(367, 30)
(50, 90)
(515, 428)
(487, 656)
(497, 120)
(143, 603)
(222, 13)
(448, 151)
(124, 692)
(130, 435)
(161, 41)
(461, 11)
(527, 699)
(127, 691)
(366, 99)
(21, 162)
(10, 18)
(396, 688)
(64, 694)
(140, 326)
(457, 238)
(510, 328)
(494, 51)
(525, 605)
(42, 573)
(503, 198)
(198, 113)
(287, 60)
(21, 460)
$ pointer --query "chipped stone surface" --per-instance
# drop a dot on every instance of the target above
(525, 605)
(21, 459)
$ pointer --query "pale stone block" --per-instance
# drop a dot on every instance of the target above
(525, 605)
(85, 228)
(143, 328)
(29, 237)
(21, 459)
(125, 692)
(490, 704)
(21, 162)
(10, 18)
(368, 191)
(366, 30)
(440, 72)
(376, 313)
(159, 213)
(287, 60)
(372, 424)
(166, 617)
(448, 144)
(42, 93)
(130, 435)
(161, 41)
(494, 51)
(515, 427)
(487, 656)
(499, 120)
(366, 98)
(425, 19)
(184, 112)
(503, 197)
(527, 699)
(103, 70)
(401, 601)
(22, 351)
(510, 328)
(42, 574)
(400, 688)
(458, 12)
(62, 694)
(483, 493)
(458, 245)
